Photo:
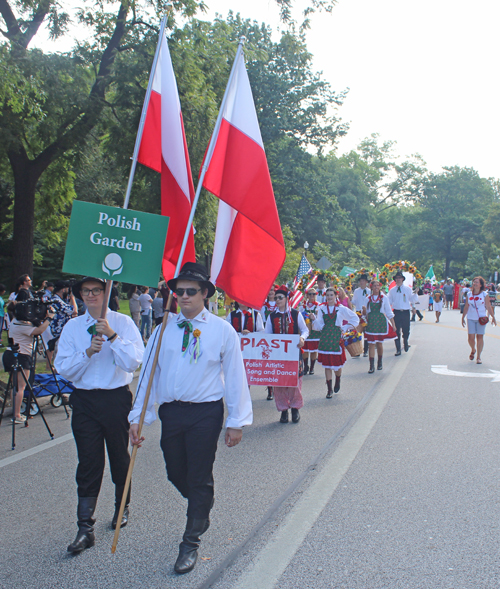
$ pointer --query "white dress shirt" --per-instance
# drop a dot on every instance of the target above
(343, 314)
(219, 371)
(401, 301)
(110, 368)
(360, 298)
(321, 296)
(303, 331)
(385, 308)
(259, 324)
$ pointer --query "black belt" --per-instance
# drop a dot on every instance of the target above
(187, 403)
(400, 310)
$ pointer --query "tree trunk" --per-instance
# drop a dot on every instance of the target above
(25, 180)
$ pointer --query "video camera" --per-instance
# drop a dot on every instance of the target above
(32, 310)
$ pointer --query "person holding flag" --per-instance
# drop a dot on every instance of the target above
(287, 320)
(332, 320)
(199, 365)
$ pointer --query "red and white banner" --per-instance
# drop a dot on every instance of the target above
(164, 149)
(249, 250)
(271, 359)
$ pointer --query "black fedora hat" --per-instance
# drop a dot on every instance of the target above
(399, 274)
(77, 287)
(196, 273)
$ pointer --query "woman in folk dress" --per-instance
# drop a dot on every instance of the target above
(380, 324)
(331, 351)
(477, 305)
(310, 349)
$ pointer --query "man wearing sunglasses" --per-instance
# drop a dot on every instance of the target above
(99, 355)
(189, 387)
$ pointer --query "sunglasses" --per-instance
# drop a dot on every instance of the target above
(189, 291)
(279, 297)
(95, 291)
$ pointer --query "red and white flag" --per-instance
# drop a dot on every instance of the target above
(164, 149)
(249, 251)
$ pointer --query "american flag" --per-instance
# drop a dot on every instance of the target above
(304, 268)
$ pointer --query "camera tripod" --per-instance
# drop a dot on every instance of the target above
(12, 386)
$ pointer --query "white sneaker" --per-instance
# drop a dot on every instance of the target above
(21, 419)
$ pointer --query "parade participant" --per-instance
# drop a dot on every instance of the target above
(477, 306)
(380, 325)
(267, 309)
(332, 316)
(286, 320)
(310, 349)
(448, 290)
(437, 302)
(199, 364)
(400, 298)
(99, 355)
(245, 320)
(321, 296)
(360, 300)
(414, 311)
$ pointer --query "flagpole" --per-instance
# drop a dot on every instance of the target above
(210, 151)
(179, 263)
(144, 112)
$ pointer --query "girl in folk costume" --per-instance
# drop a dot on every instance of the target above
(477, 306)
(245, 320)
(267, 309)
(310, 349)
(332, 316)
(380, 324)
(288, 321)
(270, 304)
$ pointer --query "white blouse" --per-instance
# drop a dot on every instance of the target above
(477, 305)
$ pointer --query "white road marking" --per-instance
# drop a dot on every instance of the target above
(40, 448)
(444, 370)
(270, 563)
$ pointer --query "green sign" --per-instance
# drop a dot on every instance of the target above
(346, 271)
(112, 243)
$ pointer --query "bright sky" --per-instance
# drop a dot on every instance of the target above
(424, 74)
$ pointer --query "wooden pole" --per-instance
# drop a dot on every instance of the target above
(141, 423)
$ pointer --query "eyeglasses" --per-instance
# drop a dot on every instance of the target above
(279, 297)
(189, 291)
(95, 291)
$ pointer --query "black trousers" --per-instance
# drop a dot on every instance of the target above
(100, 419)
(189, 436)
(402, 321)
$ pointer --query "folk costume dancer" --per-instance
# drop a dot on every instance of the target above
(310, 349)
(267, 309)
(321, 294)
(332, 316)
(380, 324)
(99, 356)
(199, 365)
(360, 300)
(400, 298)
(245, 320)
(287, 320)
(438, 298)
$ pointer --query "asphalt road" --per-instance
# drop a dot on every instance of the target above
(393, 483)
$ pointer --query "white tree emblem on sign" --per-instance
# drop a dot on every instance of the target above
(112, 265)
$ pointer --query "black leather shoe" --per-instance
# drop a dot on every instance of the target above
(284, 417)
(372, 366)
(398, 353)
(407, 346)
(270, 395)
(311, 370)
(329, 390)
(188, 548)
(85, 537)
(379, 364)
(336, 388)
(295, 416)
(306, 367)
(114, 521)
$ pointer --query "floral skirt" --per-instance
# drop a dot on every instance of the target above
(332, 359)
(312, 342)
(373, 338)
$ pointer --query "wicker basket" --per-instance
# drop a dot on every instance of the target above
(355, 349)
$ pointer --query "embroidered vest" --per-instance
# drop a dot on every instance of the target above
(282, 324)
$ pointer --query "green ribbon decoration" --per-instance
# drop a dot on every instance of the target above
(188, 328)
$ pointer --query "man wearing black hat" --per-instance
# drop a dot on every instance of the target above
(99, 355)
(188, 385)
(401, 297)
(321, 294)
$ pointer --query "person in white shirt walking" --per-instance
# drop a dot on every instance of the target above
(401, 297)
(146, 301)
(477, 308)
(199, 365)
(360, 300)
(99, 356)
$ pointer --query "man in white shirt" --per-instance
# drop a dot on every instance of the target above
(360, 300)
(401, 297)
(199, 365)
(321, 294)
(99, 356)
